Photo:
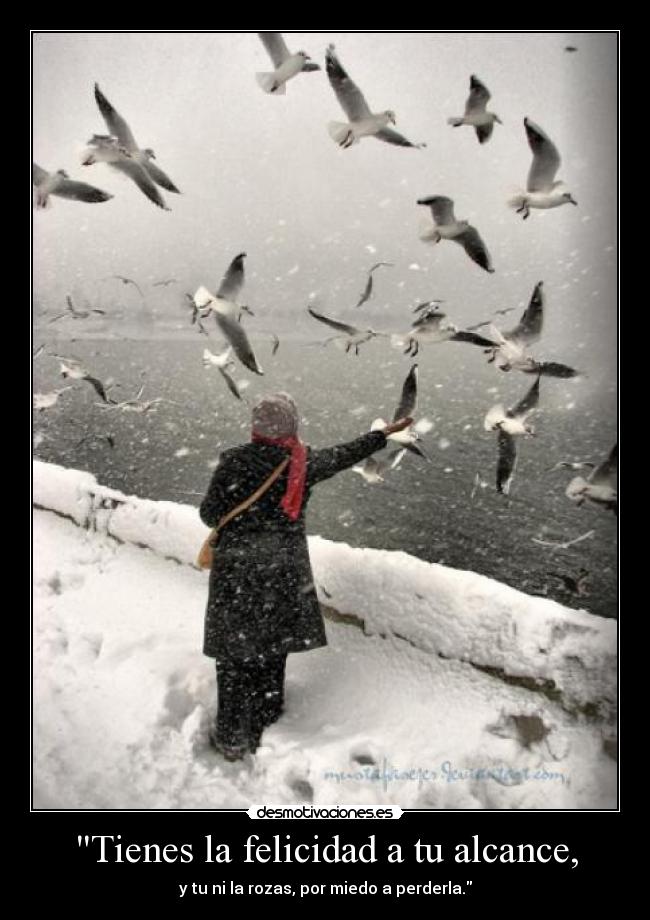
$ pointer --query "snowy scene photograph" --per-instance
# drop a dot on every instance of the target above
(324, 420)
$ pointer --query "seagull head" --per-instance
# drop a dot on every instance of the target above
(498, 120)
(304, 55)
(148, 152)
(390, 115)
(568, 197)
(62, 173)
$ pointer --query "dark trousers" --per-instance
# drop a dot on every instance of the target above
(250, 697)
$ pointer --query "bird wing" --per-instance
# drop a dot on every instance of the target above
(232, 386)
(335, 324)
(114, 122)
(546, 159)
(276, 343)
(80, 191)
(484, 132)
(232, 282)
(159, 177)
(236, 336)
(367, 291)
(606, 472)
(378, 265)
(99, 387)
(142, 179)
(529, 328)
(39, 175)
(478, 97)
(349, 95)
(275, 46)
(466, 336)
(409, 397)
(475, 248)
(486, 322)
(428, 319)
(551, 369)
(442, 209)
(506, 462)
(528, 403)
(394, 137)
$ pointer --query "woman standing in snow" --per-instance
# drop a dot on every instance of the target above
(262, 600)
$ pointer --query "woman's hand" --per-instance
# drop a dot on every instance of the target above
(399, 425)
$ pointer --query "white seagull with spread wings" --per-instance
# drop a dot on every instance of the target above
(476, 113)
(363, 122)
(61, 185)
(446, 227)
(541, 189)
(226, 310)
(120, 150)
(510, 423)
(287, 65)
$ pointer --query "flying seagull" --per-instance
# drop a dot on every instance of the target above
(407, 437)
(541, 189)
(373, 470)
(430, 326)
(76, 314)
(165, 283)
(197, 315)
(476, 113)
(223, 363)
(125, 281)
(60, 184)
(135, 404)
(600, 487)
(73, 369)
(287, 65)
(43, 401)
(368, 288)
(446, 227)
(363, 122)
(355, 337)
(120, 150)
(570, 48)
(510, 423)
(567, 543)
(276, 343)
(226, 311)
(510, 348)
(571, 465)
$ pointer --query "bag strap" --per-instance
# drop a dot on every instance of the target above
(253, 498)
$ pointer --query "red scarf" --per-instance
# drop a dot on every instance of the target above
(291, 504)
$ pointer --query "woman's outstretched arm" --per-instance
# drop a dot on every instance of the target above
(331, 460)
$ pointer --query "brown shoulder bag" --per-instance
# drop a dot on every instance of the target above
(206, 553)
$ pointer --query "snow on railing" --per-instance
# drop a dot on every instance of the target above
(569, 655)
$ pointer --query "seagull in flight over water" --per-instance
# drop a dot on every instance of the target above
(61, 185)
(362, 122)
(446, 227)
(226, 311)
(509, 350)
(541, 189)
(120, 150)
(368, 288)
(510, 423)
(355, 337)
(476, 113)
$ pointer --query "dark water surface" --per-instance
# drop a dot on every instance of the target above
(423, 508)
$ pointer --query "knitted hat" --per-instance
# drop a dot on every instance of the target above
(275, 416)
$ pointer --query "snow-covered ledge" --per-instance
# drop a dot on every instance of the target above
(568, 655)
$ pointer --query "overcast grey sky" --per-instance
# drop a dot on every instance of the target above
(260, 173)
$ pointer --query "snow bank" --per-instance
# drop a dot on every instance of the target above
(568, 655)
